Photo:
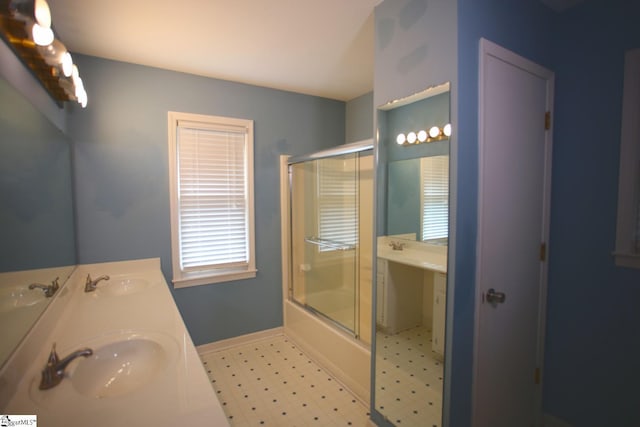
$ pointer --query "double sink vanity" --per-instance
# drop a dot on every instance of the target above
(121, 350)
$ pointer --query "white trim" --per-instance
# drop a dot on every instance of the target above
(285, 230)
(487, 49)
(239, 340)
(181, 278)
(629, 172)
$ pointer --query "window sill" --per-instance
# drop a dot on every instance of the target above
(186, 280)
(627, 260)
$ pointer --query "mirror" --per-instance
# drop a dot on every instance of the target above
(411, 280)
(36, 214)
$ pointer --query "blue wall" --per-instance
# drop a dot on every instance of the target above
(592, 368)
(359, 118)
(592, 345)
(522, 27)
(122, 183)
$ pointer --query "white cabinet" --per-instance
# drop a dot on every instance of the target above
(439, 312)
(399, 293)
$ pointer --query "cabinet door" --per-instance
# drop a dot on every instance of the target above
(439, 312)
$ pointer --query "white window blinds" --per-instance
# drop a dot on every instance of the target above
(211, 166)
(212, 197)
(435, 197)
(338, 201)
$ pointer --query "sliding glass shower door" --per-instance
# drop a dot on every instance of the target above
(324, 237)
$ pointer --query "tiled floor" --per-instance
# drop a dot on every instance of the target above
(272, 382)
(408, 379)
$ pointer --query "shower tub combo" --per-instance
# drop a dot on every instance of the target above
(327, 223)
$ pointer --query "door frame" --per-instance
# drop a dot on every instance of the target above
(490, 49)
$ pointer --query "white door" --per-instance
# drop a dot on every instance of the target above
(513, 211)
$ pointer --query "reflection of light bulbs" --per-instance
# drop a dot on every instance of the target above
(412, 137)
(434, 131)
(422, 136)
(400, 139)
(42, 36)
(447, 129)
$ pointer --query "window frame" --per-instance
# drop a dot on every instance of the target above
(183, 278)
(626, 253)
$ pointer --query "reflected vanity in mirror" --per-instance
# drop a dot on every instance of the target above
(37, 247)
(412, 237)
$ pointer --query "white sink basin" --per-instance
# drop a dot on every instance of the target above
(121, 364)
(119, 368)
(122, 286)
(14, 297)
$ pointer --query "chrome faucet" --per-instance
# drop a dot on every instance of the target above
(90, 285)
(53, 372)
(49, 290)
(396, 246)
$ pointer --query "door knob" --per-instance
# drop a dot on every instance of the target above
(495, 297)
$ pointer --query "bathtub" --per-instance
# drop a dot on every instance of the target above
(340, 353)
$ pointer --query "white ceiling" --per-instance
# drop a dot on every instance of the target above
(315, 47)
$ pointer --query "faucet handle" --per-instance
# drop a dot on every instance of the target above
(55, 285)
(53, 356)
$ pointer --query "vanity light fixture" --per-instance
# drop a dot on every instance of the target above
(435, 133)
(25, 25)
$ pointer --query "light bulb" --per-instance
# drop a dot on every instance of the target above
(447, 129)
(42, 13)
(400, 139)
(79, 87)
(42, 36)
(412, 137)
(67, 64)
(422, 136)
(434, 132)
(82, 98)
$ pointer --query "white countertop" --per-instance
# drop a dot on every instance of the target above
(415, 254)
(181, 394)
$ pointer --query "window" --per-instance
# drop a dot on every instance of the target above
(338, 202)
(434, 171)
(627, 252)
(211, 189)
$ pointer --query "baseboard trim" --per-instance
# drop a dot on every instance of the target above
(551, 421)
(242, 339)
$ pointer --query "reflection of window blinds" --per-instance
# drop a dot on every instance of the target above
(338, 200)
(212, 197)
(434, 173)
